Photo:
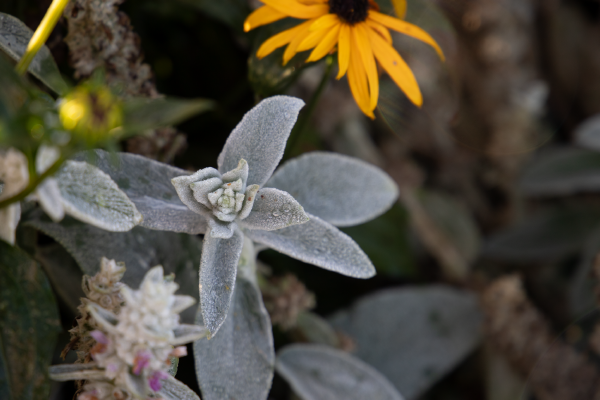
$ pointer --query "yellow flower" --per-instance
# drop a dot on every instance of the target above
(91, 112)
(361, 34)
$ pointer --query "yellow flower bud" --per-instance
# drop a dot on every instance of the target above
(91, 112)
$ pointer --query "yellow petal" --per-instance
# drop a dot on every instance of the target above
(292, 49)
(311, 2)
(357, 79)
(407, 29)
(326, 21)
(326, 45)
(313, 39)
(362, 43)
(281, 39)
(396, 67)
(298, 10)
(262, 16)
(400, 8)
(382, 30)
(343, 50)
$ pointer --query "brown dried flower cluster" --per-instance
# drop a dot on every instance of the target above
(285, 297)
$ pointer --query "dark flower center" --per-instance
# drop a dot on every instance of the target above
(350, 11)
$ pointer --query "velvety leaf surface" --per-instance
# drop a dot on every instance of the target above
(143, 114)
(218, 268)
(140, 249)
(341, 190)
(319, 243)
(91, 196)
(545, 235)
(172, 389)
(274, 209)
(148, 185)
(14, 38)
(260, 138)
(430, 330)
(587, 133)
(238, 362)
(317, 372)
(28, 326)
(562, 171)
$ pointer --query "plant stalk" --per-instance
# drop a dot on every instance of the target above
(41, 34)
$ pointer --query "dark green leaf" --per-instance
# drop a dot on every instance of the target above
(14, 38)
(385, 240)
(230, 12)
(139, 248)
(413, 335)
(28, 326)
(143, 114)
(546, 235)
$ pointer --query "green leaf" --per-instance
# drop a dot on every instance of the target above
(91, 196)
(238, 362)
(546, 235)
(268, 76)
(14, 38)
(562, 171)
(143, 114)
(139, 248)
(230, 12)
(385, 240)
(413, 335)
(28, 326)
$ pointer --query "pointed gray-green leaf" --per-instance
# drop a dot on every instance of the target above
(50, 199)
(28, 326)
(181, 303)
(185, 333)
(545, 235)
(142, 114)
(218, 268)
(260, 138)
(14, 38)
(341, 190)
(148, 185)
(140, 249)
(562, 171)
(274, 209)
(316, 329)
(430, 330)
(317, 372)
(319, 243)
(172, 389)
(70, 372)
(238, 362)
(91, 196)
(186, 193)
(587, 133)
(220, 229)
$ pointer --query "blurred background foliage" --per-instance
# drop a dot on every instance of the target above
(499, 174)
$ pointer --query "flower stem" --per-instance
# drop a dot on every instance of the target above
(41, 34)
(307, 115)
(33, 184)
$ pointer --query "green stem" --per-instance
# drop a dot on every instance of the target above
(41, 34)
(33, 184)
(309, 111)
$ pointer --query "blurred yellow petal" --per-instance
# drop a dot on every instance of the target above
(313, 39)
(400, 8)
(396, 67)
(281, 39)
(362, 43)
(262, 16)
(382, 30)
(292, 49)
(326, 45)
(298, 10)
(343, 50)
(326, 21)
(311, 2)
(357, 79)
(407, 29)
